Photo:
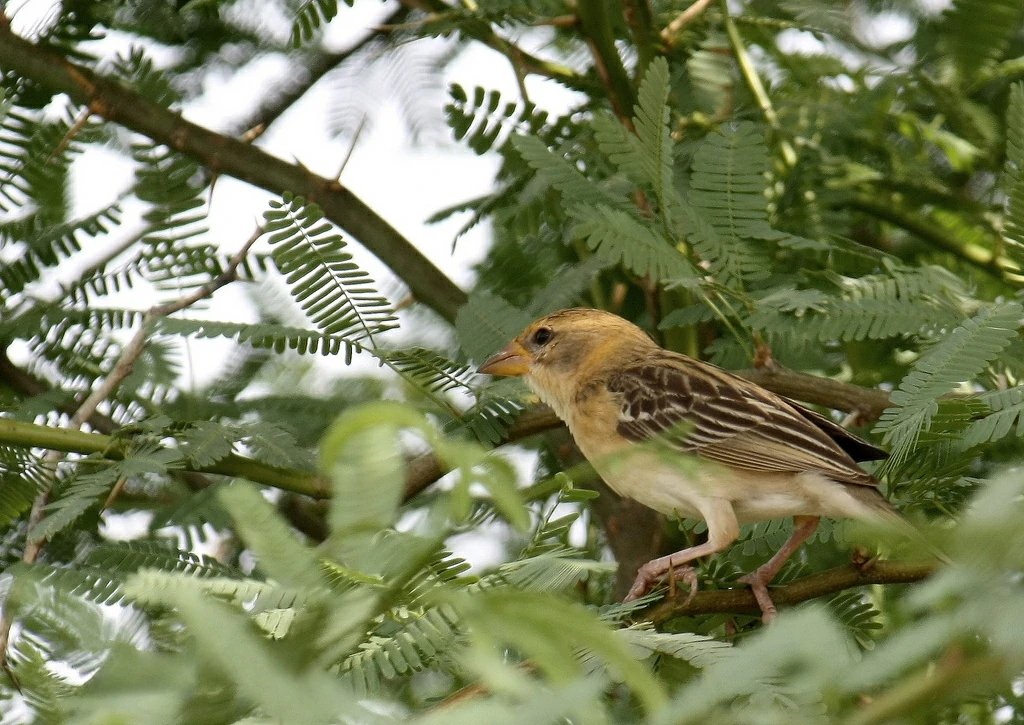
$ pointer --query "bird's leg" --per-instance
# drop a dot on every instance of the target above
(723, 529)
(759, 579)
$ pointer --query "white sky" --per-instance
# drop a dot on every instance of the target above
(404, 183)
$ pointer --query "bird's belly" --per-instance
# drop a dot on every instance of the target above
(669, 488)
(683, 487)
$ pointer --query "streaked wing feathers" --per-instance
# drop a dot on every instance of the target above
(701, 409)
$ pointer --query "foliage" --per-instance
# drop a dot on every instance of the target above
(740, 179)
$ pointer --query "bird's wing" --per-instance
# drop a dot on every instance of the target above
(857, 448)
(701, 409)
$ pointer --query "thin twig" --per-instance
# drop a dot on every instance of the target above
(351, 148)
(72, 132)
(115, 492)
(668, 35)
(753, 80)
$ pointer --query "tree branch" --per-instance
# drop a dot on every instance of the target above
(668, 35)
(299, 510)
(924, 228)
(595, 26)
(741, 601)
(525, 62)
(224, 155)
(318, 66)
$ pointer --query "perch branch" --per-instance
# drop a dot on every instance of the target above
(741, 600)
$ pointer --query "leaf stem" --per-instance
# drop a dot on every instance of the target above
(753, 80)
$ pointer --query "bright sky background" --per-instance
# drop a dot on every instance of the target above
(404, 182)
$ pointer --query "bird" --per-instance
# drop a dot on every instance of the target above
(688, 438)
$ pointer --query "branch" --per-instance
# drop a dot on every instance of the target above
(867, 403)
(30, 435)
(30, 385)
(525, 63)
(224, 155)
(318, 66)
(668, 35)
(301, 512)
(595, 25)
(924, 228)
(741, 601)
(639, 17)
(753, 80)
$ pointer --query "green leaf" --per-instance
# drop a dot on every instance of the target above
(958, 358)
(271, 540)
(1013, 177)
(550, 631)
(265, 675)
(331, 289)
(553, 170)
(486, 323)
(728, 221)
(976, 33)
(651, 122)
(362, 455)
(620, 238)
(1007, 411)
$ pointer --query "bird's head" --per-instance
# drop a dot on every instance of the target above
(575, 344)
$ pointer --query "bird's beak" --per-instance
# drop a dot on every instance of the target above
(512, 360)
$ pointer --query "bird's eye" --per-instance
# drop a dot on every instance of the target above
(542, 335)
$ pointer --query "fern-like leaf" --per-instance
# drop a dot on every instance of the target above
(729, 220)
(420, 638)
(486, 323)
(331, 289)
(874, 307)
(1013, 178)
(483, 120)
(553, 170)
(651, 122)
(21, 478)
(428, 369)
(1007, 408)
(553, 571)
(310, 16)
(646, 157)
(976, 33)
(618, 237)
(961, 356)
(262, 335)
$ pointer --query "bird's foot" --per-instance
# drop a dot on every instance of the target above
(759, 587)
(648, 576)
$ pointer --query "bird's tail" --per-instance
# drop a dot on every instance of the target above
(883, 512)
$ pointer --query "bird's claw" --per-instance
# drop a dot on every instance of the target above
(646, 579)
(760, 591)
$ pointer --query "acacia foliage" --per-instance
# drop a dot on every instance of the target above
(857, 210)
